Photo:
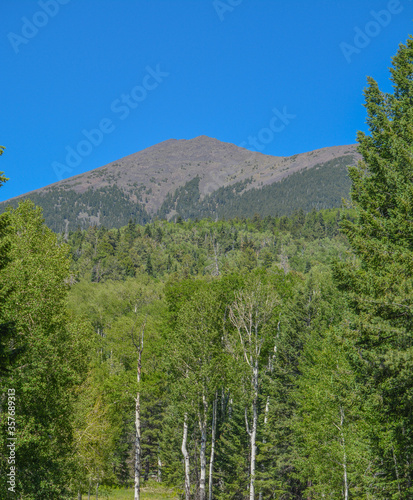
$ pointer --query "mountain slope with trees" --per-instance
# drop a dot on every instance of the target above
(195, 178)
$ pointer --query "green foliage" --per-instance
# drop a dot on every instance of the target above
(379, 285)
(7, 352)
(117, 310)
(115, 290)
(3, 179)
(187, 365)
(207, 248)
(281, 323)
(329, 424)
(33, 284)
(232, 451)
(331, 429)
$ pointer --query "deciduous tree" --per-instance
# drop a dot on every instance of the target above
(252, 314)
(55, 352)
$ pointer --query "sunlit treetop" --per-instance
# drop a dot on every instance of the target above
(3, 179)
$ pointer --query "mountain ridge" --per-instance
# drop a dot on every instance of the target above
(140, 183)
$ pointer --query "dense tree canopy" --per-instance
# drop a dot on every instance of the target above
(52, 354)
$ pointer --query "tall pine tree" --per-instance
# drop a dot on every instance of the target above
(379, 284)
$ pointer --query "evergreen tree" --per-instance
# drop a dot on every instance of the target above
(149, 266)
(380, 284)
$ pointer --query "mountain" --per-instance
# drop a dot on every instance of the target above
(199, 177)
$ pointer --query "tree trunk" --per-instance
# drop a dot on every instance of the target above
(397, 473)
(213, 432)
(137, 447)
(79, 495)
(159, 475)
(345, 481)
(309, 484)
(253, 434)
(138, 452)
(90, 486)
(186, 458)
(202, 454)
(267, 408)
(97, 490)
(138, 441)
(202, 457)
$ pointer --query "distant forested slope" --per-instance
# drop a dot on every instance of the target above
(65, 209)
(320, 187)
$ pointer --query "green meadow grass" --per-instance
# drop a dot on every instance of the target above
(151, 491)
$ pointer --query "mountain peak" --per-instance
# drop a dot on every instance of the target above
(204, 138)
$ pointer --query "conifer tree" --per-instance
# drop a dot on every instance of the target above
(380, 284)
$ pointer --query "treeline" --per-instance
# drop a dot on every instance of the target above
(321, 187)
(65, 210)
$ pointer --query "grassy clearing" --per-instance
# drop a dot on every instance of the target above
(151, 491)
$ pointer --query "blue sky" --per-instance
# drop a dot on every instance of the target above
(86, 82)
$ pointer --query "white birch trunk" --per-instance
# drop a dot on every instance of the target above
(138, 451)
(186, 459)
(267, 408)
(137, 447)
(345, 481)
(159, 475)
(249, 314)
(213, 434)
(253, 434)
(202, 454)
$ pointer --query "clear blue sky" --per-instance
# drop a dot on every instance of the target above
(286, 73)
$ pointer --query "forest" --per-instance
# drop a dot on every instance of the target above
(255, 357)
(320, 187)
